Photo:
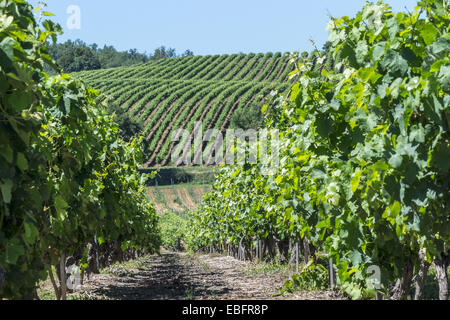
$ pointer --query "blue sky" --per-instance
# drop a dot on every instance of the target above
(206, 26)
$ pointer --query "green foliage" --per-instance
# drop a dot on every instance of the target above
(364, 148)
(77, 59)
(109, 57)
(75, 56)
(248, 118)
(311, 277)
(173, 230)
(165, 53)
(65, 176)
(129, 127)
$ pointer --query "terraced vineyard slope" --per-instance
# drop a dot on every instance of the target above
(166, 95)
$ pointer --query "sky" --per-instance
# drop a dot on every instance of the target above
(204, 26)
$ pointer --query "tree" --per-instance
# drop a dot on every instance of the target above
(129, 127)
(251, 117)
(84, 59)
(164, 53)
(188, 53)
(74, 56)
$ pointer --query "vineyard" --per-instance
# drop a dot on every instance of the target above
(351, 188)
(361, 190)
(176, 93)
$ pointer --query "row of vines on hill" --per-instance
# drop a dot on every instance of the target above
(363, 173)
(162, 96)
(162, 106)
(67, 182)
(235, 67)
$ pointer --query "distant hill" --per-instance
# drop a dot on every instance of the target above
(168, 94)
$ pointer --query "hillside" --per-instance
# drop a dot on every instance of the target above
(179, 199)
(170, 94)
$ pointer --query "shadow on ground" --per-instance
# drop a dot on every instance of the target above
(165, 277)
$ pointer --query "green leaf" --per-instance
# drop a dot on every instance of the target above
(428, 32)
(441, 158)
(369, 74)
(392, 212)
(380, 165)
(355, 257)
(355, 181)
(19, 100)
(353, 290)
(61, 206)
(396, 161)
(379, 51)
(7, 22)
(324, 125)
(441, 45)
(295, 91)
(348, 52)
(22, 162)
(31, 233)
(7, 152)
(264, 108)
(394, 63)
(13, 251)
(7, 47)
(444, 78)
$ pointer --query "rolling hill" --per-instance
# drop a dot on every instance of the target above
(165, 95)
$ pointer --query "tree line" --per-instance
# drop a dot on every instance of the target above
(75, 56)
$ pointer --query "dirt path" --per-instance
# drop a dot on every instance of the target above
(179, 276)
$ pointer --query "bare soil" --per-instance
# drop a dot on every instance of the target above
(180, 276)
(187, 200)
